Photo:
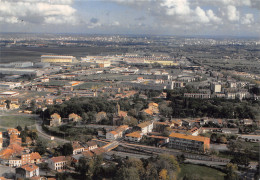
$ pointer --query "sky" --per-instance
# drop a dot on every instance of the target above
(146, 17)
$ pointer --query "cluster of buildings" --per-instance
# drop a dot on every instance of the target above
(27, 163)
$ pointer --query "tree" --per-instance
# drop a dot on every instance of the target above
(67, 149)
(181, 158)
(127, 173)
(165, 110)
(213, 138)
(40, 147)
(163, 174)
(8, 102)
(82, 167)
(241, 160)
(19, 128)
(33, 135)
(231, 172)
(222, 140)
(130, 121)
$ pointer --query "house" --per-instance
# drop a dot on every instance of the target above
(134, 136)
(189, 142)
(14, 101)
(33, 158)
(55, 120)
(77, 148)
(247, 121)
(74, 117)
(145, 127)
(14, 106)
(57, 163)
(14, 162)
(87, 154)
(98, 151)
(117, 133)
(3, 107)
(49, 101)
(39, 100)
(91, 145)
(161, 139)
(148, 111)
(27, 171)
(59, 101)
(194, 131)
(153, 107)
(177, 122)
(13, 131)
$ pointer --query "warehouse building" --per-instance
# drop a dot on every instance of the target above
(57, 59)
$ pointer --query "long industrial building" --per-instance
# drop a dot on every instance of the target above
(57, 59)
(13, 71)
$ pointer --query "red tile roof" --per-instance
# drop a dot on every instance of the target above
(29, 167)
(58, 159)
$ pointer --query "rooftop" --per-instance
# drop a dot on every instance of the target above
(189, 137)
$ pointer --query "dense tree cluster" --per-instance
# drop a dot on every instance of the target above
(164, 167)
(85, 107)
(161, 167)
(216, 107)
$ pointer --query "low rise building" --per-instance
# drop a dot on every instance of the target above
(189, 142)
(57, 163)
(27, 171)
(77, 148)
(134, 136)
(55, 120)
(145, 127)
(117, 133)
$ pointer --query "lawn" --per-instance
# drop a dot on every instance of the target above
(200, 172)
(89, 85)
(15, 120)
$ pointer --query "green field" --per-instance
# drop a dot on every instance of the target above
(15, 120)
(89, 85)
(200, 172)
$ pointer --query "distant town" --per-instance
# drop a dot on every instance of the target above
(110, 107)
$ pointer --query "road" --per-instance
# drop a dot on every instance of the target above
(200, 158)
(45, 135)
(7, 171)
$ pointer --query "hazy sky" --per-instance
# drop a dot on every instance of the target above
(162, 17)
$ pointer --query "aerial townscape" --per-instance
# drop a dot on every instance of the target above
(129, 90)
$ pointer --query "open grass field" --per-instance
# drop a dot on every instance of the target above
(89, 85)
(200, 172)
(15, 120)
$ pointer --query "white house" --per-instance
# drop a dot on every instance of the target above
(117, 133)
(146, 127)
(134, 136)
(57, 163)
(27, 171)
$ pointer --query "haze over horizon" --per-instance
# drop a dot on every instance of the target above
(144, 17)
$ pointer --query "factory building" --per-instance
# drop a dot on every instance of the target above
(12, 71)
(9, 85)
(57, 59)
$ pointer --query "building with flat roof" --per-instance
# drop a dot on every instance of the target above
(9, 85)
(57, 59)
(13, 71)
(8, 94)
(189, 142)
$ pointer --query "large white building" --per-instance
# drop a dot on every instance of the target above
(57, 59)
(13, 71)
(9, 85)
